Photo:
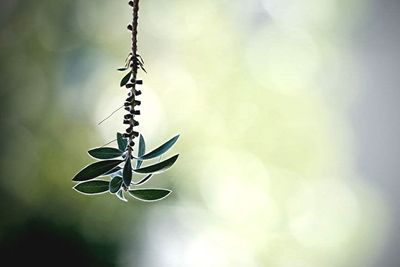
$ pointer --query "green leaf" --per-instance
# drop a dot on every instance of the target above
(115, 184)
(158, 167)
(127, 173)
(122, 142)
(149, 194)
(96, 169)
(125, 80)
(145, 179)
(105, 153)
(92, 187)
(161, 149)
(120, 195)
(113, 170)
(141, 151)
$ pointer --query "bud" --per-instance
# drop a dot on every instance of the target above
(131, 3)
(130, 27)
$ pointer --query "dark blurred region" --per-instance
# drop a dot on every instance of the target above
(38, 242)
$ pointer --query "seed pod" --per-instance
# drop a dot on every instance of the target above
(129, 129)
(130, 27)
(127, 108)
(126, 122)
(135, 112)
(135, 123)
(138, 92)
(132, 143)
(137, 103)
(129, 85)
(131, 3)
(127, 104)
(135, 134)
(138, 82)
(129, 99)
(128, 116)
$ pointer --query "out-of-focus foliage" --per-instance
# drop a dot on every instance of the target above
(256, 89)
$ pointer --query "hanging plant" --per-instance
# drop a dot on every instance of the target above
(121, 164)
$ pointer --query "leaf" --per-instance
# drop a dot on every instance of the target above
(122, 142)
(145, 179)
(149, 194)
(127, 173)
(105, 153)
(96, 169)
(141, 151)
(115, 184)
(113, 170)
(158, 167)
(120, 195)
(125, 80)
(161, 149)
(92, 187)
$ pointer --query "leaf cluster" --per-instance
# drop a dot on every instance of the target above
(114, 163)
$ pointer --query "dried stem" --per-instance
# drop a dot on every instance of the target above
(135, 15)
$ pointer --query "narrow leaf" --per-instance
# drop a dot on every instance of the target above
(158, 167)
(122, 142)
(120, 195)
(127, 172)
(125, 80)
(115, 184)
(105, 153)
(144, 180)
(113, 170)
(149, 194)
(141, 151)
(161, 149)
(92, 187)
(96, 169)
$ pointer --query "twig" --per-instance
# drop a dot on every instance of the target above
(110, 115)
(109, 143)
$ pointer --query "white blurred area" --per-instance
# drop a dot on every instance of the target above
(259, 92)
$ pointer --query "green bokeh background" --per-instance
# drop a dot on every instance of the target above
(257, 91)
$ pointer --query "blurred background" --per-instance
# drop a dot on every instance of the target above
(288, 114)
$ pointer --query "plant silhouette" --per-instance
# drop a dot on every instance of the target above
(120, 163)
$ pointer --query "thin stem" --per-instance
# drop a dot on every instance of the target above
(135, 16)
(106, 118)
(109, 142)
